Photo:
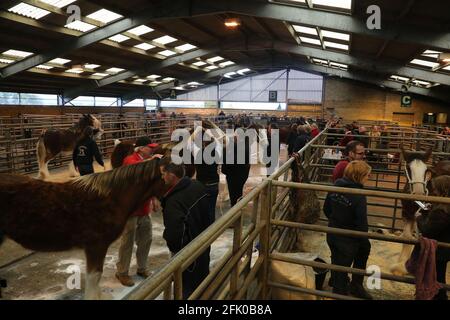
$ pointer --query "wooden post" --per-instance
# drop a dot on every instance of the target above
(264, 239)
(237, 238)
(178, 285)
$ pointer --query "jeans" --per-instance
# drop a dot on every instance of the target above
(137, 229)
(345, 252)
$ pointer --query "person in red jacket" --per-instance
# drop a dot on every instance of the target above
(314, 131)
(354, 150)
(139, 225)
(348, 136)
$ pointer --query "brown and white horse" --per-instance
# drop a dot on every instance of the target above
(89, 212)
(418, 176)
(54, 141)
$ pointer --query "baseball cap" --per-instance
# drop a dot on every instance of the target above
(145, 141)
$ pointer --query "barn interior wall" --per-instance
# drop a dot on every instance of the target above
(353, 101)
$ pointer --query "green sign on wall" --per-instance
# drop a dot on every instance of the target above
(406, 100)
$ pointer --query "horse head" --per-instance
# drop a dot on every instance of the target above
(416, 170)
(88, 120)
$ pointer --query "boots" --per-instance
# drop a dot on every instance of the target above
(358, 290)
(125, 280)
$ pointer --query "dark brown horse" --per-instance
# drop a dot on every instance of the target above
(304, 205)
(89, 212)
(54, 141)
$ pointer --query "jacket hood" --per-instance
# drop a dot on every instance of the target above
(346, 183)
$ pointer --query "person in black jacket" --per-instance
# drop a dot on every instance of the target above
(237, 173)
(185, 213)
(208, 175)
(348, 211)
(292, 137)
(301, 140)
(436, 225)
(85, 151)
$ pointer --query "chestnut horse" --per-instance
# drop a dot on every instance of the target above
(54, 141)
(89, 212)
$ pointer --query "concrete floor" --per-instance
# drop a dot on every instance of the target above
(44, 276)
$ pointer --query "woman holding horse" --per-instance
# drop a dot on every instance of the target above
(347, 211)
(85, 151)
(436, 225)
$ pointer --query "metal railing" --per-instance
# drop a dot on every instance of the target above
(239, 274)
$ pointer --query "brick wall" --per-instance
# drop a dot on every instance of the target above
(354, 101)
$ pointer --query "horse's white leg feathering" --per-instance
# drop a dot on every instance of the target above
(92, 290)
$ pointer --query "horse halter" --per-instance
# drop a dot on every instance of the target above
(412, 182)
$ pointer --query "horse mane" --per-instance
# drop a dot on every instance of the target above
(118, 179)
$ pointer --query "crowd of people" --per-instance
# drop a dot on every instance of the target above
(189, 207)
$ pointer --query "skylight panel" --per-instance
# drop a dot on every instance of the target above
(310, 41)
(307, 30)
(424, 63)
(343, 4)
(44, 67)
(164, 39)
(422, 83)
(229, 74)
(99, 74)
(185, 47)
(17, 53)
(336, 35)
(58, 3)
(91, 66)
(75, 70)
(144, 46)
(338, 65)
(29, 11)
(194, 83)
(104, 16)
(60, 61)
(431, 54)
(399, 78)
(114, 70)
(320, 61)
(167, 53)
(199, 63)
(243, 71)
(141, 80)
(168, 79)
(139, 31)
(119, 38)
(80, 26)
(154, 76)
(226, 64)
(211, 68)
(179, 88)
(6, 61)
(336, 45)
(155, 83)
(215, 59)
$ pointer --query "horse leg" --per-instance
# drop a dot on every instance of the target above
(42, 155)
(95, 257)
(399, 267)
